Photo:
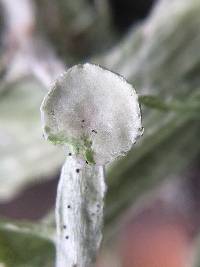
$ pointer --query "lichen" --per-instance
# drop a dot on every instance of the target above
(83, 147)
(89, 156)
(94, 111)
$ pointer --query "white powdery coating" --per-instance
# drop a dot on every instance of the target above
(90, 102)
(79, 213)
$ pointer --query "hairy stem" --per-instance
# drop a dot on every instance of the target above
(79, 213)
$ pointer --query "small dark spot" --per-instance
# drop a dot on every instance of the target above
(69, 207)
(92, 214)
(75, 265)
(67, 237)
(86, 188)
(77, 170)
(98, 206)
(94, 131)
(83, 121)
(70, 154)
(86, 162)
(64, 226)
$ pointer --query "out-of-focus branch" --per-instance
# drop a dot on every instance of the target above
(77, 29)
(26, 53)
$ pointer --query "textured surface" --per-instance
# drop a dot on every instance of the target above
(95, 111)
(79, 213)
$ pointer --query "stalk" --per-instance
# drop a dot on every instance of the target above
(79, 213)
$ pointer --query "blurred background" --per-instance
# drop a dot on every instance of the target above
(152, 209)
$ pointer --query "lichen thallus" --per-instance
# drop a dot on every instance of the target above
(95, 115)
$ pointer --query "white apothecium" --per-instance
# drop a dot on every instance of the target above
(95, 113)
